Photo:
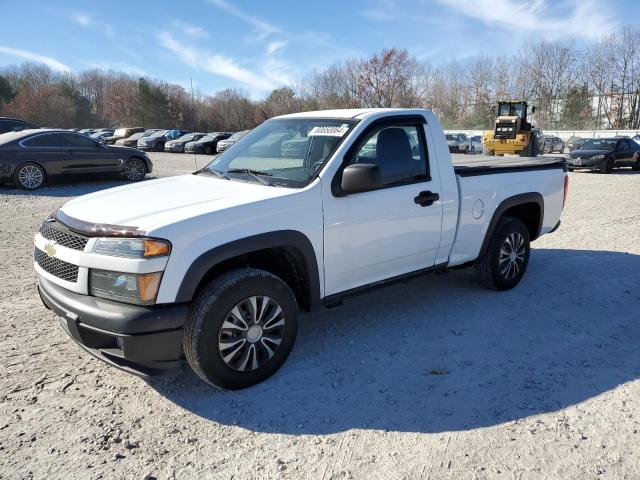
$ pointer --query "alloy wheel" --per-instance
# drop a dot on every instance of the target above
(134, 170)
(30, 177)
(512, 255)
(251, 333)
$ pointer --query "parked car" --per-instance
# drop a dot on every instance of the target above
(476, 144)
(458, 143)
(575, 142)
(177, 145)
(122, 133)
(33, 156)
(207, 144)
(8, 124)
(224, 144)
(100, 136)
(553, 144)
(605, 154)
(132, 141)
(220, 262)
(157, 140)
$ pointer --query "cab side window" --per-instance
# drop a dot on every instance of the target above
(398, 151)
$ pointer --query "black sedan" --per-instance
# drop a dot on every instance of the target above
(604, 154)
(178, 144)
(30, 157)
(207, 144)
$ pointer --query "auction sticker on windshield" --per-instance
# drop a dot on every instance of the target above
(329, 131)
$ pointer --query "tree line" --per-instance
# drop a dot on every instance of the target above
(594, 87)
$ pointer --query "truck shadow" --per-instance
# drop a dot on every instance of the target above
(439, 353)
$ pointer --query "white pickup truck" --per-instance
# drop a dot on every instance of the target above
(215, 266)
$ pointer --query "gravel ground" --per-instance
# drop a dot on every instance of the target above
(432, 378)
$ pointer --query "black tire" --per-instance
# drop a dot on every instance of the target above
(208, 150)
(490, 265)
(530, 150)
(160, 147)
(29, 176)
(607, 166)
(134, 170)
(487, 151)
(210, 310)
(636, 166)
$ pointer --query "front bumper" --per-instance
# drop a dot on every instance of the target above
(174, 148)
(140, 340)
(584, 163)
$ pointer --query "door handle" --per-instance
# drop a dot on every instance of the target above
(426, 198)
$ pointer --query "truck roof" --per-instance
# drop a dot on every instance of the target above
(353, 113)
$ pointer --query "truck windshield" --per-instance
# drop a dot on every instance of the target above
(287, 151)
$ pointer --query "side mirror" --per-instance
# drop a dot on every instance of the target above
(361, 177)
(533, 109)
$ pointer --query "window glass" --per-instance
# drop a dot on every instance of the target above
(69, 140)
(287, 151)
(41, 141)
(398, 151)
(624, 146)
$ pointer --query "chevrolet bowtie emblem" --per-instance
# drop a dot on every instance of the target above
(50, 249)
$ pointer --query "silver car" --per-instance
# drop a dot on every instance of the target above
(458, 143)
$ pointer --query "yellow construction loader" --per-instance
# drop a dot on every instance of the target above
(512, 133)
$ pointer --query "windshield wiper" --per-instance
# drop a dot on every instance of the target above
(212, 172)
(257, 174)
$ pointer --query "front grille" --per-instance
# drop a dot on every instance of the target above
(55, 266)
(59, 234)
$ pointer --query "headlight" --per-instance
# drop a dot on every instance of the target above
(597, 157)
(140, 289)
(132, 247)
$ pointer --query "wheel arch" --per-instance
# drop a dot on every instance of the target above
(138, 157)
(36, 162)
(287, 254)
(528, 207)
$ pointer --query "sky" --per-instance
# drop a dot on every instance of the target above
(257, 46)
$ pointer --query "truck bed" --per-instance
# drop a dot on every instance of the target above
(471, 165)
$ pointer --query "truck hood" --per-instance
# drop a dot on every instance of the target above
(156, 203)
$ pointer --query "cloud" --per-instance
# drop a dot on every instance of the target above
(52, 63)
(273, 47)
(190, 30)
(81, 19)
(267, 78)
(263, 28)
(580, 18)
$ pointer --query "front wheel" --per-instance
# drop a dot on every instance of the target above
(487, 151)
(241, 328)
(29, 176)
(504, 261)
(134, 170)
(606, 166)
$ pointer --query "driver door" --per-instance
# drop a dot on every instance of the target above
(383, 233)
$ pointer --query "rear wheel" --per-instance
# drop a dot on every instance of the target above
(29, 176)
(241, 328)
(504, 261)
(208, 150)
(134, 170)
(636, 165)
